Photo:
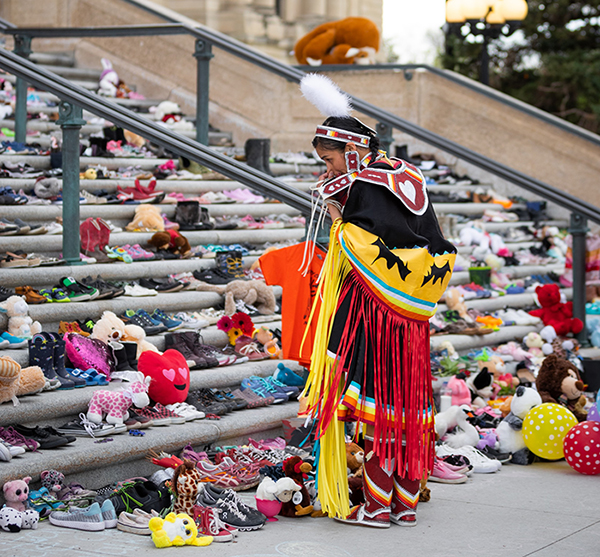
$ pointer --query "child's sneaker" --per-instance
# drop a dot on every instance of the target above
(89, 519)
(442, 473)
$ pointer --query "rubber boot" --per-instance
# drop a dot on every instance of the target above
(258, 152)
(41, 354)
(187, 215)
(131, 351)
(59, 361)
(89, 232)
(120, 356)
(177, 341)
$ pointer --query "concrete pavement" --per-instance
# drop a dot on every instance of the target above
(542, 510)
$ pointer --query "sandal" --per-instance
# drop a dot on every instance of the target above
(97, 376)
(89, 380)
(13, 261)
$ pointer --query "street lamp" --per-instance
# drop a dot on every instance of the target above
(489, 18)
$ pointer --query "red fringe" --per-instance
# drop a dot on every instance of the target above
(402, 373)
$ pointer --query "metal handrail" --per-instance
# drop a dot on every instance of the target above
(160, 135)
(293, 74)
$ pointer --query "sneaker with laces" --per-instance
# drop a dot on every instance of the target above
(158, 418)
(216, 475)
(481, 463)
(77, 291)
(169, 322)
(82, 427)
(292, 392)
(44, 438)
(130, 317)
(89, 519)
(263, 389)
(233, 512)
(209, 524)
(15, 438)
(164, 411)
(144, 495)
(151, 320)
(442, 473)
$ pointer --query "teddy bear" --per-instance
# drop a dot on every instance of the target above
(558, 381)
(16, 514)
(353, 40)
(510, 436)
(252, 292)
(147, 218)
(172, 241)
(555, 313)
(456, 302)
(108, 328)
(300, 504)
(458, 389)
(355, 457)
(19, 323)
(16, 381)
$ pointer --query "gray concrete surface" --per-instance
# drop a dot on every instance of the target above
(543, 510)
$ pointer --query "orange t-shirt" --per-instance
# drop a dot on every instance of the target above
(282, 267)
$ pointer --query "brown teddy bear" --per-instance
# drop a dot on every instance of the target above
(353, 40)
(172, 241)
(147, 218)
(558, 381)
(252, 292)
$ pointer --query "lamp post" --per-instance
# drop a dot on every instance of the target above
(488, 18)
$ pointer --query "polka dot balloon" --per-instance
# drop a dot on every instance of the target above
(545, 428)
(582, 448)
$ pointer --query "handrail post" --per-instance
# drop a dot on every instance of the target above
(384, 132)
(203, 54)
(70, 121)
(578, 230)
(22, 48)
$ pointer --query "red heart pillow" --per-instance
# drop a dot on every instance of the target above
(170, 375)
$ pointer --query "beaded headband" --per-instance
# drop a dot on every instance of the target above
(342, 135)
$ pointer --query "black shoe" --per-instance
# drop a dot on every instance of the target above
(52, 431)
(232, 511)
(77, 291)
(497, 455)
(213, 276)
(140, 495)
(120, 356)
(45, 439)
(130, 317)
(181, 343)
(199, 401)
(162, 285)
(230, 263)
(105, 290)
(192, 339)
(6, 293)
(87, 325)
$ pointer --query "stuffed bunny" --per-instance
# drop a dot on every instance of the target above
(109, 79)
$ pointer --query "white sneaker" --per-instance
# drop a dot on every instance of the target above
(54, 228)
(481, 463)
(13, 449)
(189, 322)
(186, 411)
(137, 291)
(5, 455)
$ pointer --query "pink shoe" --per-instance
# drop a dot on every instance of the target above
(216, 475)
(169, 225)
(277, 443)
(249, 222)
(441, 473)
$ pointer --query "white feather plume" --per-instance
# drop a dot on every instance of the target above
(325, 95)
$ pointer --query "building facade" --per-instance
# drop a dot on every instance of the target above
(273, 26)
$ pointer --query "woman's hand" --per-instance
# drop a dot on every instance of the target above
(326, 176)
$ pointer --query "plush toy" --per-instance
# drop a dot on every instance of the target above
(513, 349)
(252, 292)
(456, 418)
(169, 374)
(353, 40)
(558, 381)
(509, 430)
(16, 381)
(300, 504)
(16, 493)
(186, 483)
(355, 457)
(268, 342)
(485, 243)
(16, 514)
(108, 328)
(109, 79)
(555, 313)
(114, 404)
(47, 188)
(456, 302)
(496, 366)
(458, 389)
(147, 218)
(172, 241)
(89, 174)
(53, 481)
(487, 438)
(19, 323)
(176, 529)
(481, 387)
(270, 495)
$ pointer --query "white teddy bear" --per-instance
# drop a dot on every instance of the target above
(19, 323)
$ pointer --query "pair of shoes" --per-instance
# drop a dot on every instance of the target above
(205, 401)
(144, 495)
(163, 285)
(46, 437)
(186, 411)
(47, 350)
(481, 463)
(233, 512)
(94, 518)
(106, 291)
(136, 522)
(444, 473)
(82, 427)
(189, 345)
(142, 319)
(31, 296)
(77, 291)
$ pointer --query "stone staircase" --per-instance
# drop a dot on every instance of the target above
(93, 464)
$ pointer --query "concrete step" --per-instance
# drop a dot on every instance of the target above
(46, 213)
(43, 276)
(53, 58)
(96, 465)
(462, 277)
(42, 162)
(53, 243)
(73, 73)
(512, 246)
(464, 343)
(130, 103)
(500, 226)
(91, 85)
(515, 301)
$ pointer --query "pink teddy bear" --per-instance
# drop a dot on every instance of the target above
(115, 404)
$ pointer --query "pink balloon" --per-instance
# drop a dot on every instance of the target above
(582, 448)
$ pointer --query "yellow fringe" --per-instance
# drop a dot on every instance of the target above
(331, 467)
